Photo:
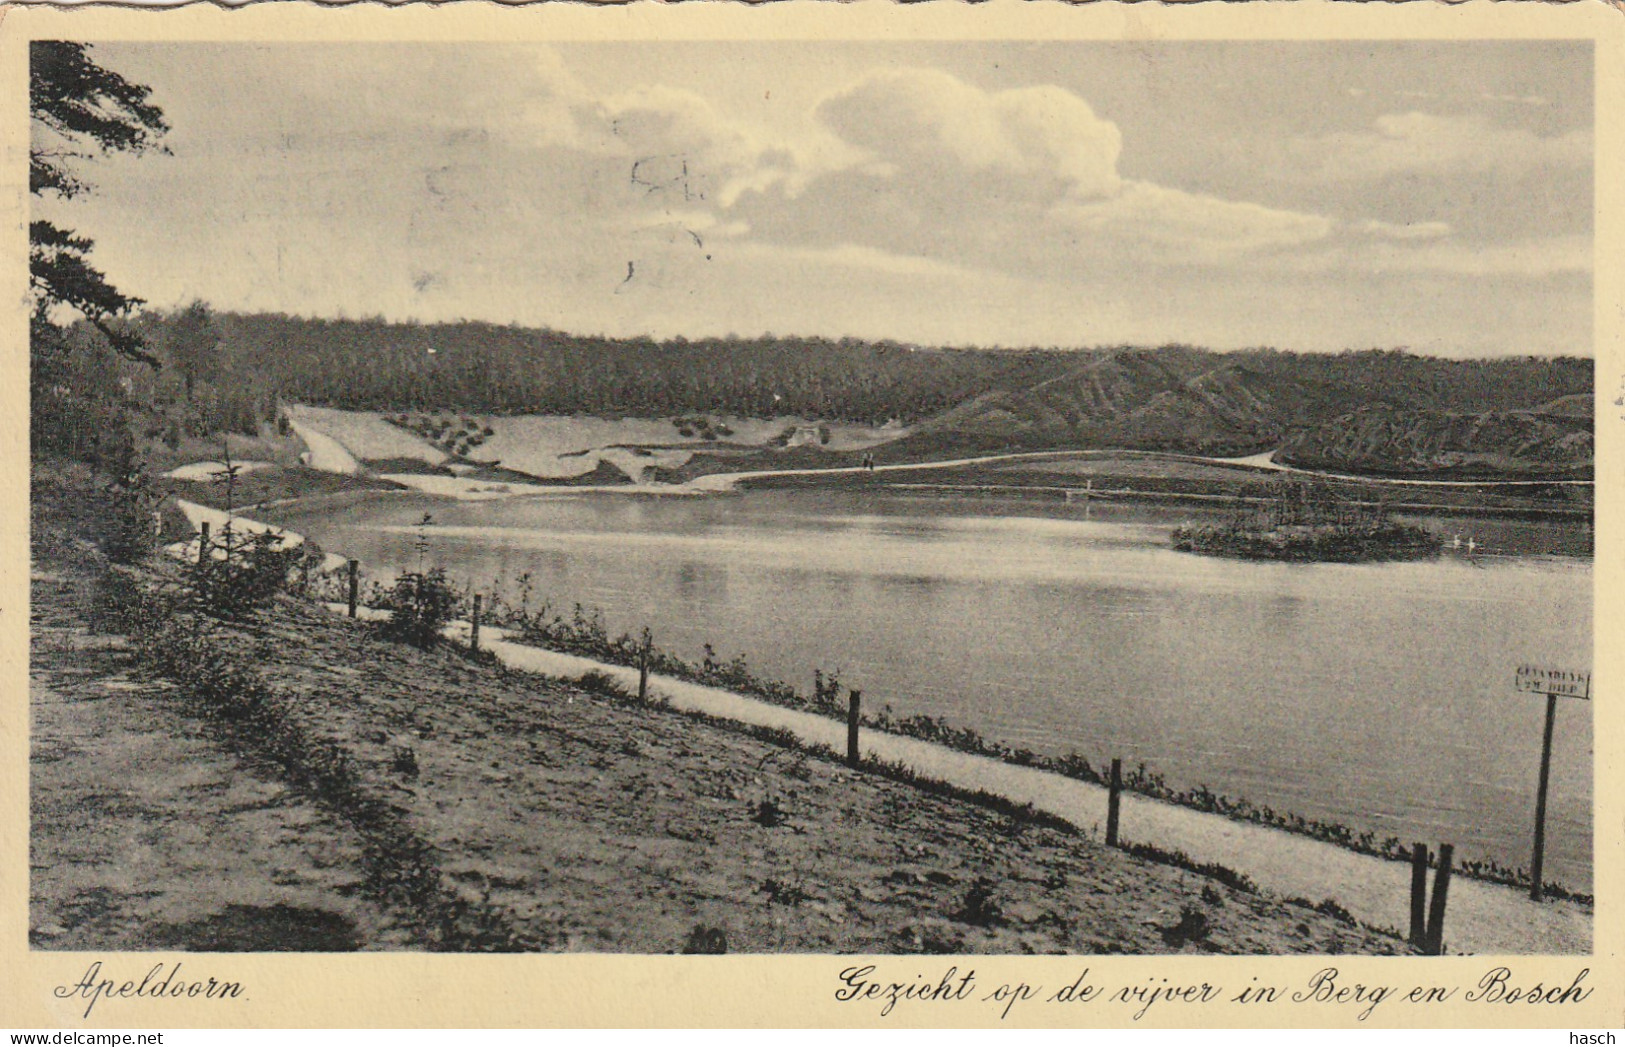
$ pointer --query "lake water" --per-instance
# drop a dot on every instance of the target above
(1379, 696)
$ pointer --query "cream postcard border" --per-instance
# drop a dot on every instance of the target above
(391, 990)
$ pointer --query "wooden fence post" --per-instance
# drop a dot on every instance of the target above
(852, 728)
(1537, 867)
(1419, 894)
(643, 666)
(355, 584)
(474, 625)
(1114, 799)
(202, 543)
(1441, 892)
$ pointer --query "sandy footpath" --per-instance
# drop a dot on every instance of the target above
(148, 834)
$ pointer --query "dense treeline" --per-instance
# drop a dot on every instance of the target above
(372, 365)
(224, 371)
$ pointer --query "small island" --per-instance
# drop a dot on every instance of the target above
(1305, 523)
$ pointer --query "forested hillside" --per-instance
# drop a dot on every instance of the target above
(1383, 439)
(1368, 410)
(509, 370)
(1323, 409)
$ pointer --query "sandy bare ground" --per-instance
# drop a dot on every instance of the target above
(219, 519)
(360, 435)
(147, 834)
(212, 470)
(325, 453)
(552, 446)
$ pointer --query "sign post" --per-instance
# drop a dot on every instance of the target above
(1554, 684)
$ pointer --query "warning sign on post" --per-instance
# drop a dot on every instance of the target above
(1542, 679)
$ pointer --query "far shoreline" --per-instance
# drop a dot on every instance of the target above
(960, 475)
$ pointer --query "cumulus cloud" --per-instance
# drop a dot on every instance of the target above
(926, 123)
(1418, 142)
(679, 146)
(1022, 180)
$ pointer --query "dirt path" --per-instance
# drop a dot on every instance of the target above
(147, 834)
(1261, 463)
(1482, 917)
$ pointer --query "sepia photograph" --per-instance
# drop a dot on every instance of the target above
(844, 496)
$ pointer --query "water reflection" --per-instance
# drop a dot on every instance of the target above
(700, 581)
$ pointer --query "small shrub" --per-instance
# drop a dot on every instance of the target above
(981, 906)
(1192, 927)
(120, 604)
(827, 690)
(1329, 907)
(1180, 860)
(599, 682)
(780, 893)
(705, 941)
(128, 535)
(768, 813)
(246, 575)
(419, 606)
(404, 762)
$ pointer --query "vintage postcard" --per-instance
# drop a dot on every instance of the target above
(813, 514)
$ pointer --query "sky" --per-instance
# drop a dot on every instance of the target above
(1309, 196)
